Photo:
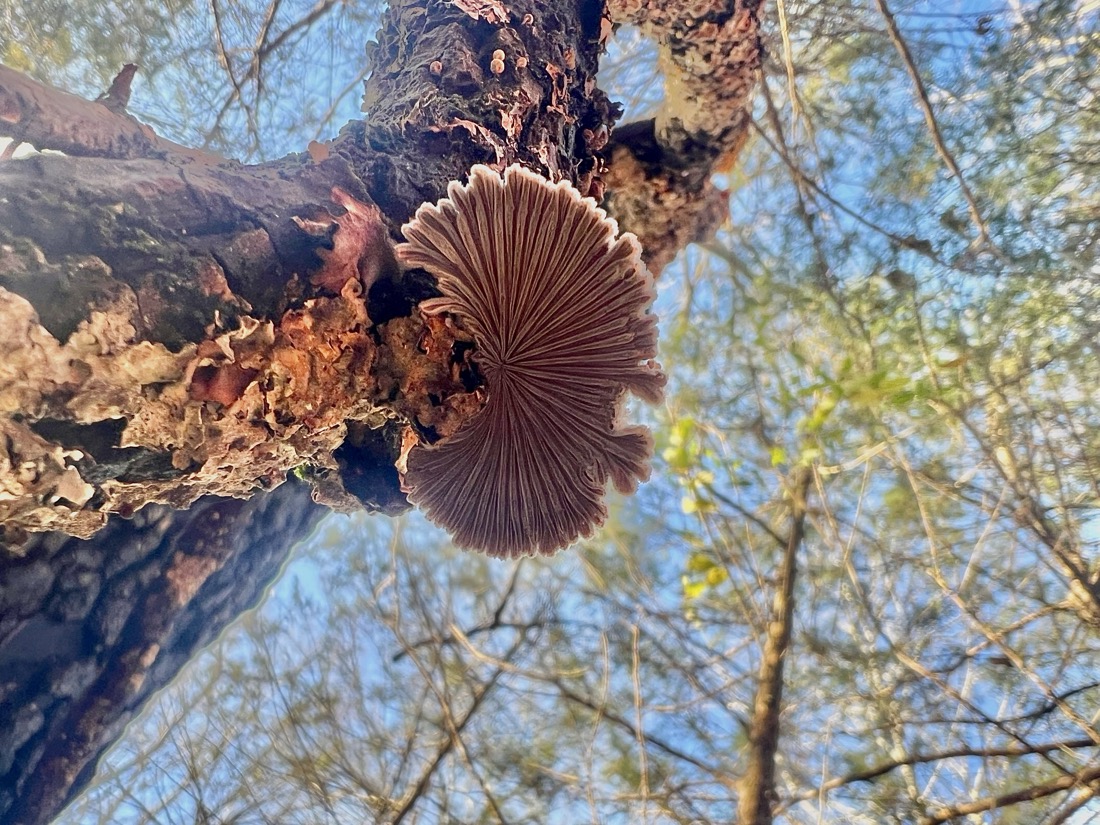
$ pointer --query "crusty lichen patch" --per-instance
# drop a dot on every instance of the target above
(665, 214)
(231, 413)
(40, 486)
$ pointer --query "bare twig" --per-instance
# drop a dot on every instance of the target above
(902, 241)
(494, 623)
(628, 726)
(788, 59)
(933, 126)
(227, 63)
(455, 726)
(868, 774)
(643, 759)
(1028, 794)
(265, 46)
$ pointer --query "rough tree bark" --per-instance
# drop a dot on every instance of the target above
(182, 330)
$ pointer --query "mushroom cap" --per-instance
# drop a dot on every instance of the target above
(558, 306)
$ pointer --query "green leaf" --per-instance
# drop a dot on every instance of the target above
(692, 589)
(700, 563)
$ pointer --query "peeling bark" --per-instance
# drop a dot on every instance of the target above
(246, 288)
(178, 327)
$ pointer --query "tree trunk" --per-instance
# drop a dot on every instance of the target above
(182, 330)
(89, 629)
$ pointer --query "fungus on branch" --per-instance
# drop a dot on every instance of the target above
(558, 307)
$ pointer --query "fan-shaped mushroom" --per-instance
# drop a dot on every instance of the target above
(558, 306)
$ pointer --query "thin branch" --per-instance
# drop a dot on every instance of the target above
(1029, 794)
(304, 22)
(868, 774)
(265, 47)
(238, 92)
(496, 622)
(905, 242)
(261, 43)
(630, 728)
(933, 126)
(456, 727)
(981, 716)
(744, 512)
(355, 83)
(788, 60)
(1082, 798)
(643, 760)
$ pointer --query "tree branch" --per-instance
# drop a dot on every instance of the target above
(1029, 794)
(49, 118)
(933, 126)
(757, 787)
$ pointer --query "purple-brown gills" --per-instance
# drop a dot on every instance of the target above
(558, 304)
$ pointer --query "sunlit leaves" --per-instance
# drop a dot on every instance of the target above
(703, 573)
